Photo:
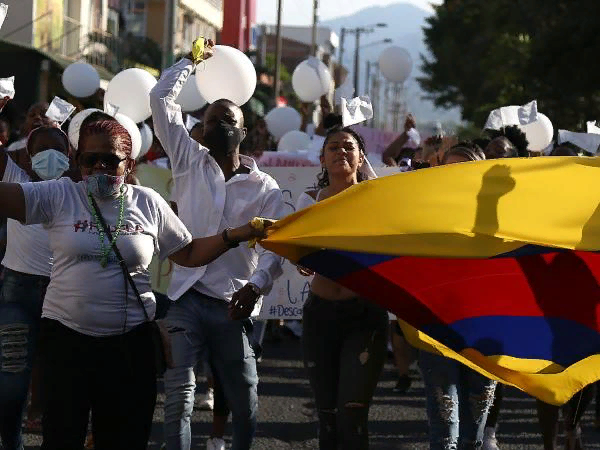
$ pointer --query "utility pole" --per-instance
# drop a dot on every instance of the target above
(278, 52)
(395, 106)
(263, 46)
(376, 121)
(341, 56)
(385, 105)
(356, 58)
(375, 88)
(169, 33)
(367, 78)
(313, 49)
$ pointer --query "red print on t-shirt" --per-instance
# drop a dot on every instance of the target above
(91, 227)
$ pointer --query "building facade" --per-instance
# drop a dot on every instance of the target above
(110, 33)
(193, 18)
(239, 24)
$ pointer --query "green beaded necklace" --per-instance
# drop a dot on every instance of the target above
(103, 249)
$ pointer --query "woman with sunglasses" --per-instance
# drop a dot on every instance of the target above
(27, 263)
(95, 340)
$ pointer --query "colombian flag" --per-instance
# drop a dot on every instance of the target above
(493, 263)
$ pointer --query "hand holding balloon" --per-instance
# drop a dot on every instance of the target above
(202, 49)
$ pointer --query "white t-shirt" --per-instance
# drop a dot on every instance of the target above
(305, 200)
(27, 247)
(83, 295)
(414, 138)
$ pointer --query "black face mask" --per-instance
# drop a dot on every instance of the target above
(224, 138)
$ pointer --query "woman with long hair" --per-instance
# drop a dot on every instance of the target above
(344, 337)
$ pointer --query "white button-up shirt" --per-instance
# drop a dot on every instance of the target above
(207, 204)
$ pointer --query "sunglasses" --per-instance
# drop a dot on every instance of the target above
(108, 160)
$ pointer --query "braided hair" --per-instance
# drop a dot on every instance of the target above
(323, 177)
(515, 135)
(120, 137)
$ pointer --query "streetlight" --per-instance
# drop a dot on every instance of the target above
(382, 41)
(357, 32)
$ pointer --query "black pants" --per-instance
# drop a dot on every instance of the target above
(114, 377)
(345, 347)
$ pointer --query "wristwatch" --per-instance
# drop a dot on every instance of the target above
(228, 242)
(254, 288)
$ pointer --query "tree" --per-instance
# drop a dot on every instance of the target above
(490, 54)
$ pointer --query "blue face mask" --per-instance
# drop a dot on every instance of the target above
(49, 164)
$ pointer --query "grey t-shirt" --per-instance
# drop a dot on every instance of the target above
(82, 294)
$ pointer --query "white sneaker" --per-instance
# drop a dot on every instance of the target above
(215, 444)
(489, 439)
(208, 402)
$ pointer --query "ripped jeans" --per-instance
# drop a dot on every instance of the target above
(345, 347)
(21, 302)
(456, 395)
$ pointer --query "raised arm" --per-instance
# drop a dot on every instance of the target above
(167, 118)
(393, 150)
(12, 201)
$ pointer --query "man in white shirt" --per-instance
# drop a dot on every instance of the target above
(215, 188)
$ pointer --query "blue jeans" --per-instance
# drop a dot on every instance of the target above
(21, 300)
(455, 394)
(200, 327)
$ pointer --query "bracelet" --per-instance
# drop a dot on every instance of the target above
(228, 242)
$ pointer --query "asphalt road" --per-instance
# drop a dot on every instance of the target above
(286, 418)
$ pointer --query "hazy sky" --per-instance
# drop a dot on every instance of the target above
(299, 12)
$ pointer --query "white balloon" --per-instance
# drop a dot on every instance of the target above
(130, 90)
(190, 98)
(75, 125)
(311, 80)
(539, 133)
(146, 134)
(81, 79)
(395, 64)
(281, 120)
(134, 132)
(294, 140)
(227, 74)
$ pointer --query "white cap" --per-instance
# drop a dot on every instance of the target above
(75, 125)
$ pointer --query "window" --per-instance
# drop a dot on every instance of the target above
(112, 26)
(96, 14)
(135, 16)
